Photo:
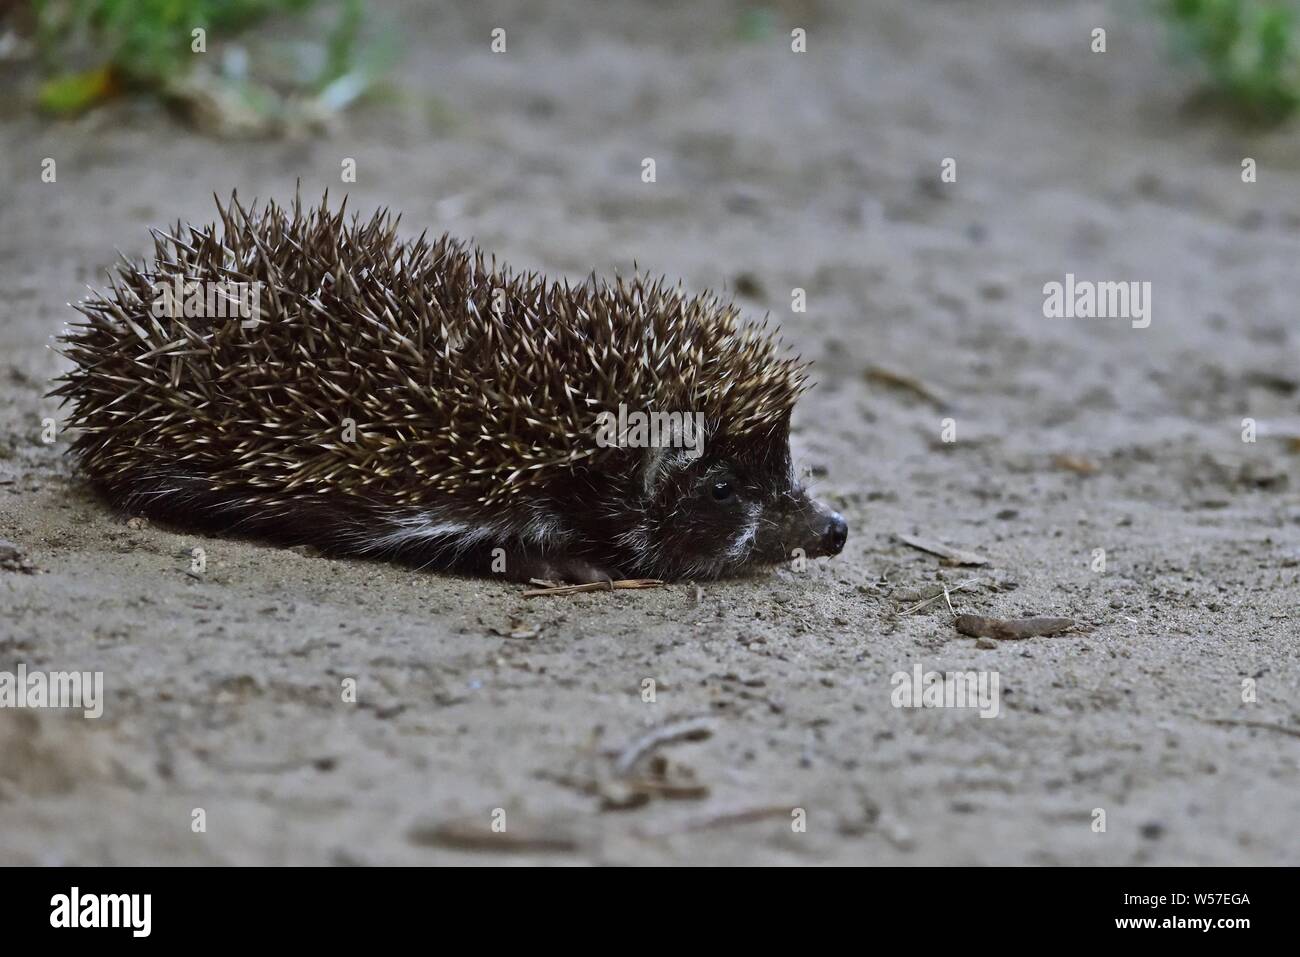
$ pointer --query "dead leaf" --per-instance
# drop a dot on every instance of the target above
(521, 834)
(1076, 464)
(952, 556)
(1010, 629)
(902, 382)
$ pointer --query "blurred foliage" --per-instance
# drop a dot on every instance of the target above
(341, 44)
(755, 24)
(88, 50)
(144, 41)
(1249, 48)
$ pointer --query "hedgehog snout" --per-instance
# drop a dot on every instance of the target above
(812, 528)
(800, 526)
(826, 531)
(837, 533)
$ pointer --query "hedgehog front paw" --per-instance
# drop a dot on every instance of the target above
(573, 571)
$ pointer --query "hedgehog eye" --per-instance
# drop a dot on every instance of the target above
(722, 492)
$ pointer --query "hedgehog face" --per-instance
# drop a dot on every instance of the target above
(737, 506)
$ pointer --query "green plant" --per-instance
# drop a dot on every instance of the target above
(340, 46)
(1250, 50)
(90, 49)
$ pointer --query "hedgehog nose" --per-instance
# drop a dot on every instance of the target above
(837, 532)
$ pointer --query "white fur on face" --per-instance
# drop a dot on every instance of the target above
(744, 540)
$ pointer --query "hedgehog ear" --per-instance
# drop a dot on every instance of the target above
(684, 444)
(782, 426)
(658, 467)
(778, 434)
(653, 472)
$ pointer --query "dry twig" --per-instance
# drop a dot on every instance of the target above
(622, 584)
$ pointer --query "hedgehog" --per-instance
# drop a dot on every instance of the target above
(376, 396)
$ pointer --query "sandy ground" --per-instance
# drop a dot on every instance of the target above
(775, 171)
